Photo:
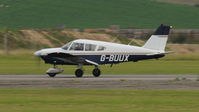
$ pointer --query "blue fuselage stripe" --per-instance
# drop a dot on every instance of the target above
(99, 59)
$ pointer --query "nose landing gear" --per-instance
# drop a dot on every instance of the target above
(52, 72)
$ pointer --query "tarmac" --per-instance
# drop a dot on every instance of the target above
(152, 82)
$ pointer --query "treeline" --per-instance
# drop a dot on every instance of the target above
(42, 38)
(183, 36)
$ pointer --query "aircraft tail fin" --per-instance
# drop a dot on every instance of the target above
(159, 39)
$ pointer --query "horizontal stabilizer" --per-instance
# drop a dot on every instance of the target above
(168, 52)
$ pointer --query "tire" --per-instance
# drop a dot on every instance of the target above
(79, 73)
(96, 72)
(52, 74)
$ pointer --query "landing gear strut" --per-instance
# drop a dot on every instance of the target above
(96, 72)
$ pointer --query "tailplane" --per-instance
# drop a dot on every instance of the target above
(159, 39)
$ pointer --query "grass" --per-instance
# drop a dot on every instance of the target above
(29, 64)
(37, 100)
(95, 14)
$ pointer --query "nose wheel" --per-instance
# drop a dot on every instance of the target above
(96, 72)
(51, 74)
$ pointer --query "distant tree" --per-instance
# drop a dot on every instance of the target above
(179, 39)
(196, 5)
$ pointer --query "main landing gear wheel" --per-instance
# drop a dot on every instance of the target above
(79, 73)
(52, 74)
(96, 72)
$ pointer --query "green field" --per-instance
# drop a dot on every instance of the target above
(29, 64)
(17, 100)
(95, 14)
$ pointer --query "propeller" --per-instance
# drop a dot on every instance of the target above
(38, 61)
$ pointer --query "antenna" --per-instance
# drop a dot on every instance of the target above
(114, 39)
(130, 42)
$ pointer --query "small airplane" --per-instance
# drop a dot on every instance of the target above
(91, 52)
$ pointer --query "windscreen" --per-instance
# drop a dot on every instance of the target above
(77, 47)
(66, 46)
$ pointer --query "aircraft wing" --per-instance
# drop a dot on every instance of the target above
(92, 62)
(71, 59)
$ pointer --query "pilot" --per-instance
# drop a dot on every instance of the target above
(78, 47)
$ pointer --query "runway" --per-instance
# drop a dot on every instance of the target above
(160, 82)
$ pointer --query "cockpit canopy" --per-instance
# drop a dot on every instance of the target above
(83, 46)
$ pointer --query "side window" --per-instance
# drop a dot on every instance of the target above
(101, 48)
(77, 47)
(90, 47)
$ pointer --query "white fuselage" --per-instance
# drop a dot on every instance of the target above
(111, 48)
